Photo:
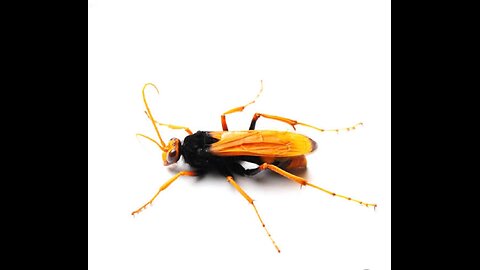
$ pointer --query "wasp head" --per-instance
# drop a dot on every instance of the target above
(172, 152)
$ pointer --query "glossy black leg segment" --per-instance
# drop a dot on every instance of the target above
(239, 169)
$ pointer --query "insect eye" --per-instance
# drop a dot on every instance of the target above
(172, 156)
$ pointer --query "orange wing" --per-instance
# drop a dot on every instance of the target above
(263, 143)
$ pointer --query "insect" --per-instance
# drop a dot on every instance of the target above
(224, 151)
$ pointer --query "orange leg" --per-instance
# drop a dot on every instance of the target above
(166, 125)
(164, 186)
(170, 125)
(250, 200)
(293, 123)
(304, 182)
(238, 109)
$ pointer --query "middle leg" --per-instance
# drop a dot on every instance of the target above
(250, 200)
(238, 109)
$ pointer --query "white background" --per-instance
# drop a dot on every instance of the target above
(326, 63)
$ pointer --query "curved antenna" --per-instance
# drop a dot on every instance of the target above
(150, 116)
(152, 140)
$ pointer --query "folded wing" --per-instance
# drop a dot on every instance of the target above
(268, 143)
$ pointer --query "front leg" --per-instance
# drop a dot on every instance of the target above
(164, 186)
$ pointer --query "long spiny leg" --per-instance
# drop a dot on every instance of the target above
(239, 109)
(250, 200)
(293, 123)
(164, 186)
(171, 126)
(304, 182)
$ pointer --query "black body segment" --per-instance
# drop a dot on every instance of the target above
(195, 150)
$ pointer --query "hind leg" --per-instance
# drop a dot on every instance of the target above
(293, 123)
(304, 182)
(288, 164)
